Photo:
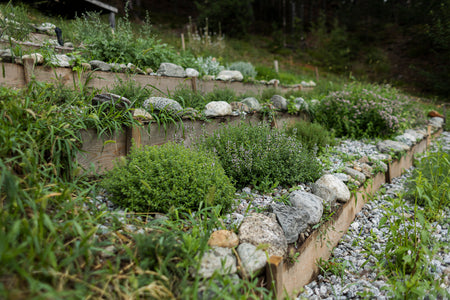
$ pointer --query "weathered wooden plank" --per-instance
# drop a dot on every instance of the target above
(12, 75)
(101, 152)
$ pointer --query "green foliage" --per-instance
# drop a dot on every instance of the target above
(227, 95)
(123, 45)
(268, 93)
(209, 65)
(133, 91)
(312, 135)
(405, 259)
(14, 21)
(367, 111)
(231, 16)
(332, 49)
(332, 266)
(156, 179)
(261, 156)
(245, 68)
(429, 185)
(187, 98)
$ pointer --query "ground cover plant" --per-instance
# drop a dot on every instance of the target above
(312, 135)
(261, 156)
(158, 179)
(362, 111)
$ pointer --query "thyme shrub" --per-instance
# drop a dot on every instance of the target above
(261, 156)
(155, 179)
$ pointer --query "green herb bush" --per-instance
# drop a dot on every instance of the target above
(154, 179)
(366, 111)
(245, 68)
(311, 135)
(261, 156)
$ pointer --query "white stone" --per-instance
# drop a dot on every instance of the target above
(227, 75)
(309, 203)
(192, 72)
(219, 260)
(253, 260)
(337, 186)
(37, 57)
(218, 108)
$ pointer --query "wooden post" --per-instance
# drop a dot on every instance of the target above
(428, 135)
(182, 42)
(194, 84)
(275, 63)
(274, 275)
(28, 68)
(316, 69)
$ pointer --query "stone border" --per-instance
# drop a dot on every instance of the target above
(286, 280)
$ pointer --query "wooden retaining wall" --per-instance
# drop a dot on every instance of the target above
(16, 75)
(286, 279)
(101, 152)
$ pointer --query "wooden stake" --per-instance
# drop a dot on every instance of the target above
(274, 275)
(316, 69)
(28, 68)
(275, 63)
(182, 42)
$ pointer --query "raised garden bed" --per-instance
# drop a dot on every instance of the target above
(286, 278)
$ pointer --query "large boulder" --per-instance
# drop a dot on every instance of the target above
(219, 260)
(309, 203)
(279, 102)
(357, 175)
(292, 219)
(161, 103)
(252, 103)
(61, 60)
(227, 75)
(327, 194)
(172, 70)
(387, 146)
(192, 72)
(217, 109)
(100, 65)
(436, 122)
(338, 187)
(223, 238)
(258, 229)
(37, 58)
(253, 260)
(406, 138)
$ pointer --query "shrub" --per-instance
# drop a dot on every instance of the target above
(312, 135)
(154, 179)
(208, 65)
(360, 112)
(245, 68)
(261, 156)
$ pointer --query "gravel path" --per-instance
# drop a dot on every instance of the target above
(358, 279)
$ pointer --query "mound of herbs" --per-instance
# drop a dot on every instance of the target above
(261, 156)
(157, 179)
(367, 111)
(312, 135)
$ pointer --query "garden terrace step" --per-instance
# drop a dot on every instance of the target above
(102, 151)
(18, 76)
(286, 279)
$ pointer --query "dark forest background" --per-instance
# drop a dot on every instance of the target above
(405, 41)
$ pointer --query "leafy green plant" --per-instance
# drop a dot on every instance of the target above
(311, 135)
(332, 266)
(261, 156)
(430, 183)
(363, 111)
(155, 179)
(245, 68)
(133, 91)
(209, 65)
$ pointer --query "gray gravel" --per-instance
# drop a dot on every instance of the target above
(360, 279)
